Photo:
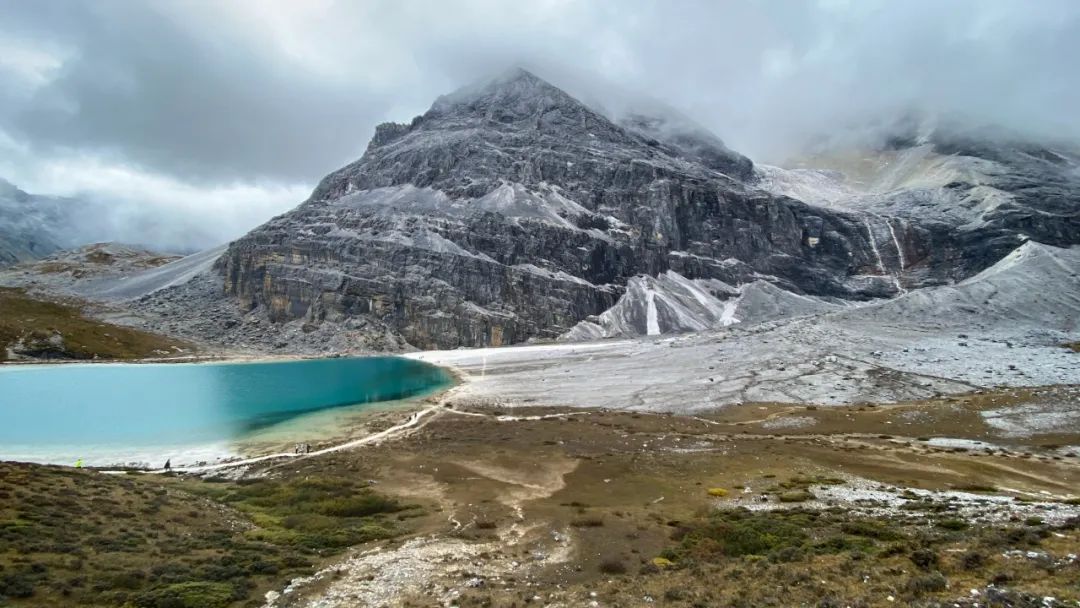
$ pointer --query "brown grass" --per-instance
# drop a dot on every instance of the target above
(50, 330)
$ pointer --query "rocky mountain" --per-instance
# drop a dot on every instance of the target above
(31, 226)
(511, 211)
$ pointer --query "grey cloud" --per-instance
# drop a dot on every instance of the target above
(194, 103)
(274, 91)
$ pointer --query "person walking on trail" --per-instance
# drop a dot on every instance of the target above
(78, 463)
(168, 464)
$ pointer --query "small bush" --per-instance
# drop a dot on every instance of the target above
(893, 550)
(972, 560)
(952, 524)
(308, 522)
(787, 554)
(16, 586)
(585, 222)
(612, 566)
(675, 594)
(717, 492)
(796, 496)
(1014, 537)
(840, 543)
(976, 487)
(587, 522)
(662, 562)
(927, 583)
(187, 595)
(870, 529)
(924, 559)
(358, 506)
(735, 534)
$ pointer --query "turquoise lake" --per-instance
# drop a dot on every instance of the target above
(68, 409)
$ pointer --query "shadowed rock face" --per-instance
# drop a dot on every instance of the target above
(30, 226)
(512, 211)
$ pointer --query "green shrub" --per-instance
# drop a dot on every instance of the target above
(358, 506)
(796, 496)
(1013, 537)
(871, 529)
(924, 559)
(188, 595)
(926, 583)
(17, 585)
(308, 522)
(952, 524)
(839, 543)
(972, 560)
(787, 554)
(734, 534)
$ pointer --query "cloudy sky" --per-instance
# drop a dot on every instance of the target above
(214, 115)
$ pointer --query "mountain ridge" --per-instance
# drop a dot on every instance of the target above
(438, 229)
(510, 211)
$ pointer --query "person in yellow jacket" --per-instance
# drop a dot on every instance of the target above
(78, 463)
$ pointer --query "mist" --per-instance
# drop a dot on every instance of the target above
(195, 121)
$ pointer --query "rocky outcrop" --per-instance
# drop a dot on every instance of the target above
(510, 211)
(671, 303)
(668, 303)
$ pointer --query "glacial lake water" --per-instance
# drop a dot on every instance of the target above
(123, 413)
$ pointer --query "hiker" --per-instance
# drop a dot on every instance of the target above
(78, 463)
(168, 464)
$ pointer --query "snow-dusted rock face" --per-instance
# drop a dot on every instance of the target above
(668, 303)
(1036, 286)
(671, 303)
(983, 193)
(511, 211)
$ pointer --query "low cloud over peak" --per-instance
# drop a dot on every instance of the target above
(259, 99)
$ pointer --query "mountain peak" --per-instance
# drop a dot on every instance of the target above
(512, 95)
(520, 74)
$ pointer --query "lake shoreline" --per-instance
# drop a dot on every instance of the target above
(129, 436)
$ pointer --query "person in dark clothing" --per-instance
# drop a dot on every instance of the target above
(168, 464)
